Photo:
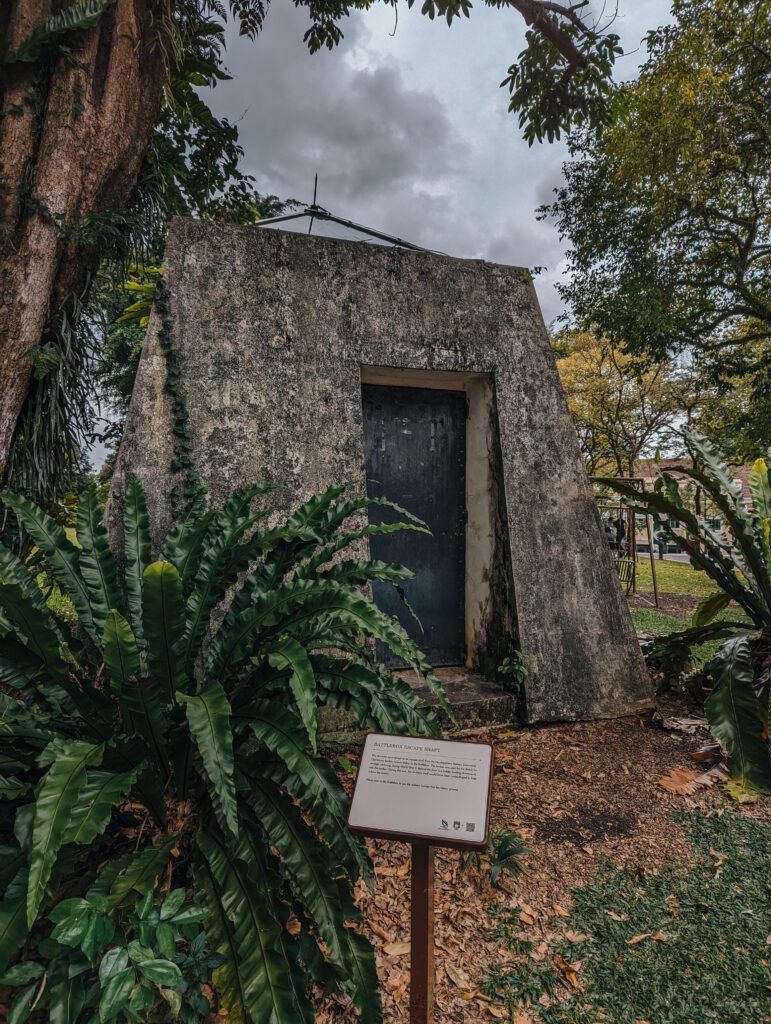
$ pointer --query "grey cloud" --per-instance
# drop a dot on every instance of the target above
(366, 130)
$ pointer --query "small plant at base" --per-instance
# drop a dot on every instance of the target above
(348, 766)
(503, 853)
(513, 672)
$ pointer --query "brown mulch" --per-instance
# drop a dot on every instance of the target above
(574, 793)
(678, 605)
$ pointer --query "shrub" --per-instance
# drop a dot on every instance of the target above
(159, 740)
(738, 559)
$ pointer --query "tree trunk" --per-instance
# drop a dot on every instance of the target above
(72, 137)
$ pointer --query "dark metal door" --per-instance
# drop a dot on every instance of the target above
(415, 444)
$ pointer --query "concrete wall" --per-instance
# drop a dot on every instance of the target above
(276, 332)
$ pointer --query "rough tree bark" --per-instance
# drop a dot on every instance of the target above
(70, 146)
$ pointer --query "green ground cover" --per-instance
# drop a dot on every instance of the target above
(703, 956)
(674, 578)
(651, 621)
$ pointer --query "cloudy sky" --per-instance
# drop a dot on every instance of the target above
(407, 127)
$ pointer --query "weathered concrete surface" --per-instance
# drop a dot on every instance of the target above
(274, 329)
(477, 703)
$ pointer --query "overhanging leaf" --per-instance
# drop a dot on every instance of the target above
(733, 715)
(709, 607)
(208, 715)
(163, 625)
(53, 807)
(288, 653)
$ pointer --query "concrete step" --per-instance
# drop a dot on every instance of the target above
(479, 704)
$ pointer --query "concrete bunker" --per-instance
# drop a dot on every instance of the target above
(308, 360)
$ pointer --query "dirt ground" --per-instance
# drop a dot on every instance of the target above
(574, 793)
(678, 605)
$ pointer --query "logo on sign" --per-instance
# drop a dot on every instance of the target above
(456, 825)
(444, 824)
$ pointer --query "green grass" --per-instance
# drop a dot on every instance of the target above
(650, 621)
(674, 578)
(712, 967)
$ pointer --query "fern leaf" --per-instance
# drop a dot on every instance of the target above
(55, 803)
(208, 715)
(13, 928)
(97, 564)
(120, 652)
(288, 653)
(62, 556)
(259, 981)
(133, 873)
(316, 884)
(163, 625)
(102, 791)
(313, 781)
(734, 716)
(136, 529)
(73, 18)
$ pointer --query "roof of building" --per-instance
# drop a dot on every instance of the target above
(648, 469)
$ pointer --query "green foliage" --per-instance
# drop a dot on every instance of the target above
(171, 734)
(549, 99)
(738, 560)
(121, 960)
(504, 852)
(668, 214)
(561, 80)
(513, 672)
(73, 18)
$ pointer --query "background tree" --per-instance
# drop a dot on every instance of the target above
(621, 411)
(97, 104)
(669, 214)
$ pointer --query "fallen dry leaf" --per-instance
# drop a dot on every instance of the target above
(396, 948)
(526, 918)
(617, 917)
(497, 1011)
(576, 936)
(687, 725)
(559, 911)
(683, 781)
(458, 977)
(569, 971)
(658, 936)
(380, 932)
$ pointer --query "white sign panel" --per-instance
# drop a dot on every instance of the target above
(423, 788)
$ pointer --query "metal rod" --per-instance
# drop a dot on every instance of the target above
(320, 213)
(653, 560)
(422, 934)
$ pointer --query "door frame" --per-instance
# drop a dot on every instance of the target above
(490, 614)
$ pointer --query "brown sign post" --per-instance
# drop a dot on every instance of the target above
(428, 793)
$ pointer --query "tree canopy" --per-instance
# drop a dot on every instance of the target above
(668, 215)
(621, 412)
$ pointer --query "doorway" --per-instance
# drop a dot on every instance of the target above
(415, 455)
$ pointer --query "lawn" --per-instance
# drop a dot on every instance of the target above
(650, 621)
(674, 578)
(684, 943)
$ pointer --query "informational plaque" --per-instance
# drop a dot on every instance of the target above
(409, 787)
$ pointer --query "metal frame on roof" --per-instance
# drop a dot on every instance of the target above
(318, 212)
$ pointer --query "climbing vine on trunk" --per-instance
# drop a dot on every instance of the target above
(81, 88)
